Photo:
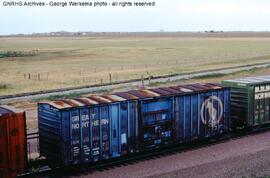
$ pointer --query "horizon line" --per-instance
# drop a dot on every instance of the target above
(159, 31)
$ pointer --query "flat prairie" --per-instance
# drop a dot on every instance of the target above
(70, 61)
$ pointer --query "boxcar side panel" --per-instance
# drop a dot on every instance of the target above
(115, 118)
(13, 154)
(240, 102)
(85, 135)
(195, 118)
(156, 118)
(133, 127)
(201, 115)
(177, 124)
(5, 163)
(187, 117)
(124, 127)
(95, 132)
(105, 132)
(20, 135)
(66, 138)
(49, 120)
(260, 96)
(75, 136)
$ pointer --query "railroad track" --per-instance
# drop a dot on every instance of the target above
(109, 86)
(45, 171)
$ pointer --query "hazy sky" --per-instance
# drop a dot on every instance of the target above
(168, 15)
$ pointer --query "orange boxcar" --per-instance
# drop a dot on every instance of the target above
(13, 151)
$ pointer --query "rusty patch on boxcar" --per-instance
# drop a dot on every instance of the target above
(13, 141)
(86, 101)
(213, 86)
(71, 103)
(184, 89)
(126, 95)
(141, 94)
(150, 93)
(114, 98)
(60, 104)
(196, 87)
(135, 94)
(160, 91)
(171, 90)
(99, 99)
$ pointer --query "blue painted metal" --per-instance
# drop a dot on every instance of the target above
(85, 135)
(114, 129)
(156, 116)
(202, 115)
(124, 127)
(95, 134)
(105, 131)
(101, 127)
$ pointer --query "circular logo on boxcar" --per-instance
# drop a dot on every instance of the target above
(211, 111)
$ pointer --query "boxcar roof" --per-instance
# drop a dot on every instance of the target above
(4, 109)
(134, 95)
(251, 80)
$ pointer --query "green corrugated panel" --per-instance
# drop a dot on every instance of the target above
(250, 100)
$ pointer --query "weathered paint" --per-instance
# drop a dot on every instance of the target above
(13, 157)
(156, 122)
(86, 134)
(202, 115)
(99, 127)
(250, 100)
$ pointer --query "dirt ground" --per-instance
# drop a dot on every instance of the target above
(244, 157)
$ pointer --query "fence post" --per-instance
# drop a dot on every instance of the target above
(110, 77)
(142, 78)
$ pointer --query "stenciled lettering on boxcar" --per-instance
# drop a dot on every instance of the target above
(94, 117)
(262, 92)
(75, 124)
(211, 113)
(104, 122)
(85, 133)
(85, 121)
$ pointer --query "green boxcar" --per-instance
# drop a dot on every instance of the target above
(250, 100)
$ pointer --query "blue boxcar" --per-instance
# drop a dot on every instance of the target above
(85, 130)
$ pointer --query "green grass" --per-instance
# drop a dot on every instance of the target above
(251, 71)
(61, 96)
(13, 54)
(3, 86)
(76, 61)
(67, 96)
(216, 75)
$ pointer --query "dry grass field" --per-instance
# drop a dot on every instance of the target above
(60, 62)
(31, 106)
